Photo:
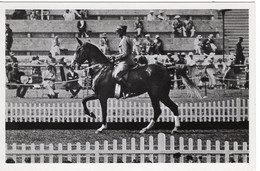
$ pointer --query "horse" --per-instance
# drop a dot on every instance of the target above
(152, 78)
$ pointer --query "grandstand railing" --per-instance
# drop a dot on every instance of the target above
(127, 111)
(172, 151)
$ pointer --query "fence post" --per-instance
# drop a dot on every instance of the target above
(208, 150)
(32, 156)
(227, 152)
(151, 148)
(235, 150)
(199, 149)
(23, 155)
(41, 153)
(87, 152)
(97, 152)
(51, 156)
(217, 148)
(114, 149)
(124, 150)
(244, 155)
(78, 148)
(59, 155)
(172, 148)
(105, 149)
(141, 149)
(132, 148)
(238, 108)
(181, 148)
(69, 149)
(161, 147)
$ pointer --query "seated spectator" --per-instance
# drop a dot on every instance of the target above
(189, 28)
(33, 15)
(177, 26)
(10, 62)
(67, 15)
(151, 16)
(138, 26)
(181, 64)
(19, 15)
(158, 45)
(14, 76)
(161, 16)
(70, 85)
(56, 46)
(82, 26)
(45, 15)
(36, 61)
(104, 44)
(229, 77)
(169, 61)
(51, 61)
(208, 45)
(192, 69)
(9, 160)
(38, 14)
(137, 45)
(49, 77)
(210, 69)
(198, 45)
(148, 45)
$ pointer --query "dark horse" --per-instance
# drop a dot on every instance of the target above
(153, 79)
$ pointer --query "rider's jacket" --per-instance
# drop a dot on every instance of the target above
(125, 50)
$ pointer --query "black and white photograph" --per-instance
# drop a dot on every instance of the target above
(123, 83)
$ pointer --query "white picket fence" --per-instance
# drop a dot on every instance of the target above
(128, 111)
(166, 150)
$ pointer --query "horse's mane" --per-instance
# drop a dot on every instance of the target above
(96, 53)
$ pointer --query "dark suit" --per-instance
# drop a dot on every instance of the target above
(82, 28)
(14, 76)
(73, 84)
(8, 39)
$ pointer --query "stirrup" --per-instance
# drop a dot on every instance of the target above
(127, 95)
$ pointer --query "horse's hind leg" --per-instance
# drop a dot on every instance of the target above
(174, 108)
(157, 112)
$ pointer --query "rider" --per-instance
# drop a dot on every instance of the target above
(125, 57)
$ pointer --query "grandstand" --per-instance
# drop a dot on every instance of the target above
(34, 37)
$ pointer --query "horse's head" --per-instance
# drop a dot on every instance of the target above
(80, 53)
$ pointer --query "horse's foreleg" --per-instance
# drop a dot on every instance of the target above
(103, 103)
(157, 112)
(174, 108)
(84, 103)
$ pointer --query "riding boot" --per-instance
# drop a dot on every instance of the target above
(129, 92)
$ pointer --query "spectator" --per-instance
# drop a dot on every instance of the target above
(72, 75)
(169, 61)
(67, 15)
(210, 69)
(51, 61)
(158, 45)
(189, 28)
(74, 13)
(8, 38)
(9, 160)
(45, 15)
(247, 73)
(38, 14)
(192, 69)
(35, 69)
(56, 47)
(240, 58)
(208, 45)
(82, 25)
(151, 16)
(148, 45)
(137, 45)
(14, 76)
(181, 64)
(161, 16)
(19, 15)
(230, 75)
(177, 26)
(10, 62)
(104, 44)
(138, 26)
(142, 59)
(198, 45)
(27, 160)
(33, 15)
(83, 13)
(48, 77)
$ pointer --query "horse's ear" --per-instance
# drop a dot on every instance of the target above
(79, 41)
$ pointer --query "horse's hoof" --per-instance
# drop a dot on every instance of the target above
(175, 130)
(97, 132)
(143, 131)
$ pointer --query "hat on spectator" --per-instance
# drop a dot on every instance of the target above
(11, 53)
(157, 36)
(104, 35)
(121, 27)
(169, 54)
(211, 36)
(190, 54)
(199, 37)
(151, 11)
(160, 12)
(183, 54)
(147, 35)
(7, 24)
(177, 16)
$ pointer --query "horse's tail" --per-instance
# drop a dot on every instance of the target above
(191, 85)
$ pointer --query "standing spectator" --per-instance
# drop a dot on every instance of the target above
(158, 45)
(151, 16)
(247, 73)
(240, 58)
(10, 62)
(33, 15)
(56, 46)
(14, 76)
(104, 44)
(177, 26)
(72, 75)
(48, 77)
(181, 64)
(137, 45)
(189, 28)
(74, 13)
(8, 38)
(148, 45)
(83, 13)
(210, 69)
(192, 69)
(82, 25)
(161, 16)
(198, 45)
(38, 14)
(19, 15)
(45, 14)
(67, 15)
(208, 45)
(138, 26)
